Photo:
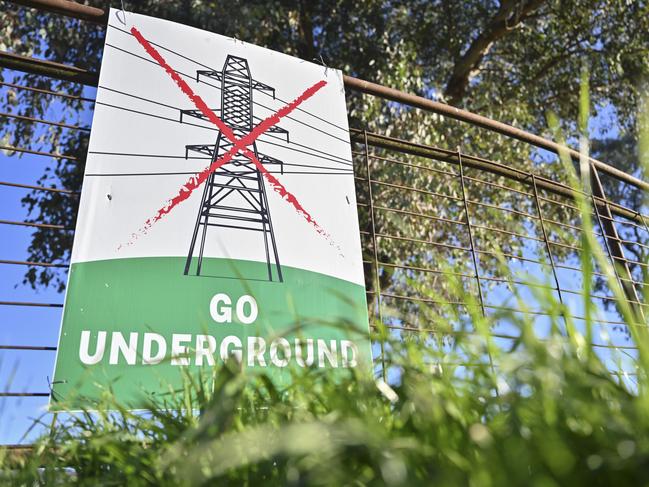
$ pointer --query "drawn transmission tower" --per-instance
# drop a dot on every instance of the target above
(235, 195)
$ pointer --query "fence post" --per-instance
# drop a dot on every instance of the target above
(613, 243)
(473, 252)
(377, 282)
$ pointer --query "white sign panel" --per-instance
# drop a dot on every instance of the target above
(217, 217)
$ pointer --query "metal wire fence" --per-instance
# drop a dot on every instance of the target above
(414, 237)
(426, 213)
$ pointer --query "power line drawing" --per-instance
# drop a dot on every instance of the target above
(235, 196)
(313, 158)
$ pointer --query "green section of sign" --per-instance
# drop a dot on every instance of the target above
(150, 297)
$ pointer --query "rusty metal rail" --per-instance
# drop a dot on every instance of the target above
(39, 188)
(69, 8)
(483, 122)
(45, 92)
(27, 347)
(45, 122)
(35, 225)
(24, 394)
(53, 155)
(48, 68)
(31, 304)
(33, 263)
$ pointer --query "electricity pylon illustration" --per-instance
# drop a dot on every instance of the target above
(235, 194)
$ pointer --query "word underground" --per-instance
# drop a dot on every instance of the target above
(186, 349)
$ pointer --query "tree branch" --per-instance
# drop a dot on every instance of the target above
(306, 44)
(509, 16)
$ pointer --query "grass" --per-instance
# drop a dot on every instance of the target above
(544, 412)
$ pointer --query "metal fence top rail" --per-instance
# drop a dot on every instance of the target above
(494, 167)
(93, 14)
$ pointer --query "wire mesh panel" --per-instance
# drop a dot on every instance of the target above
(504, 249)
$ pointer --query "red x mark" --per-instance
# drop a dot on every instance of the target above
(239, 145)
